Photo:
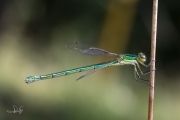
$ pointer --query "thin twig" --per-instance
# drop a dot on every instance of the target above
(153, 54)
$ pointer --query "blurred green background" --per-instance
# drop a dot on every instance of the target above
(33, 34)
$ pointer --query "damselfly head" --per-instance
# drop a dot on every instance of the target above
(141, 57)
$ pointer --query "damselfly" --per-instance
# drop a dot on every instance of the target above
(123, 59)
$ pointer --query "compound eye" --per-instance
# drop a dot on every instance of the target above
(143, 57)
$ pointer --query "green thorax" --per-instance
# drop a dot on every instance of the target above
(129, 57)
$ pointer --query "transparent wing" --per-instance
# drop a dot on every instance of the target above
(89, 50)
(90, 72)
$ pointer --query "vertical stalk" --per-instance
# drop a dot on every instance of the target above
(153, 54)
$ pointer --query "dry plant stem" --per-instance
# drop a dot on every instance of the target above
(153, 51)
